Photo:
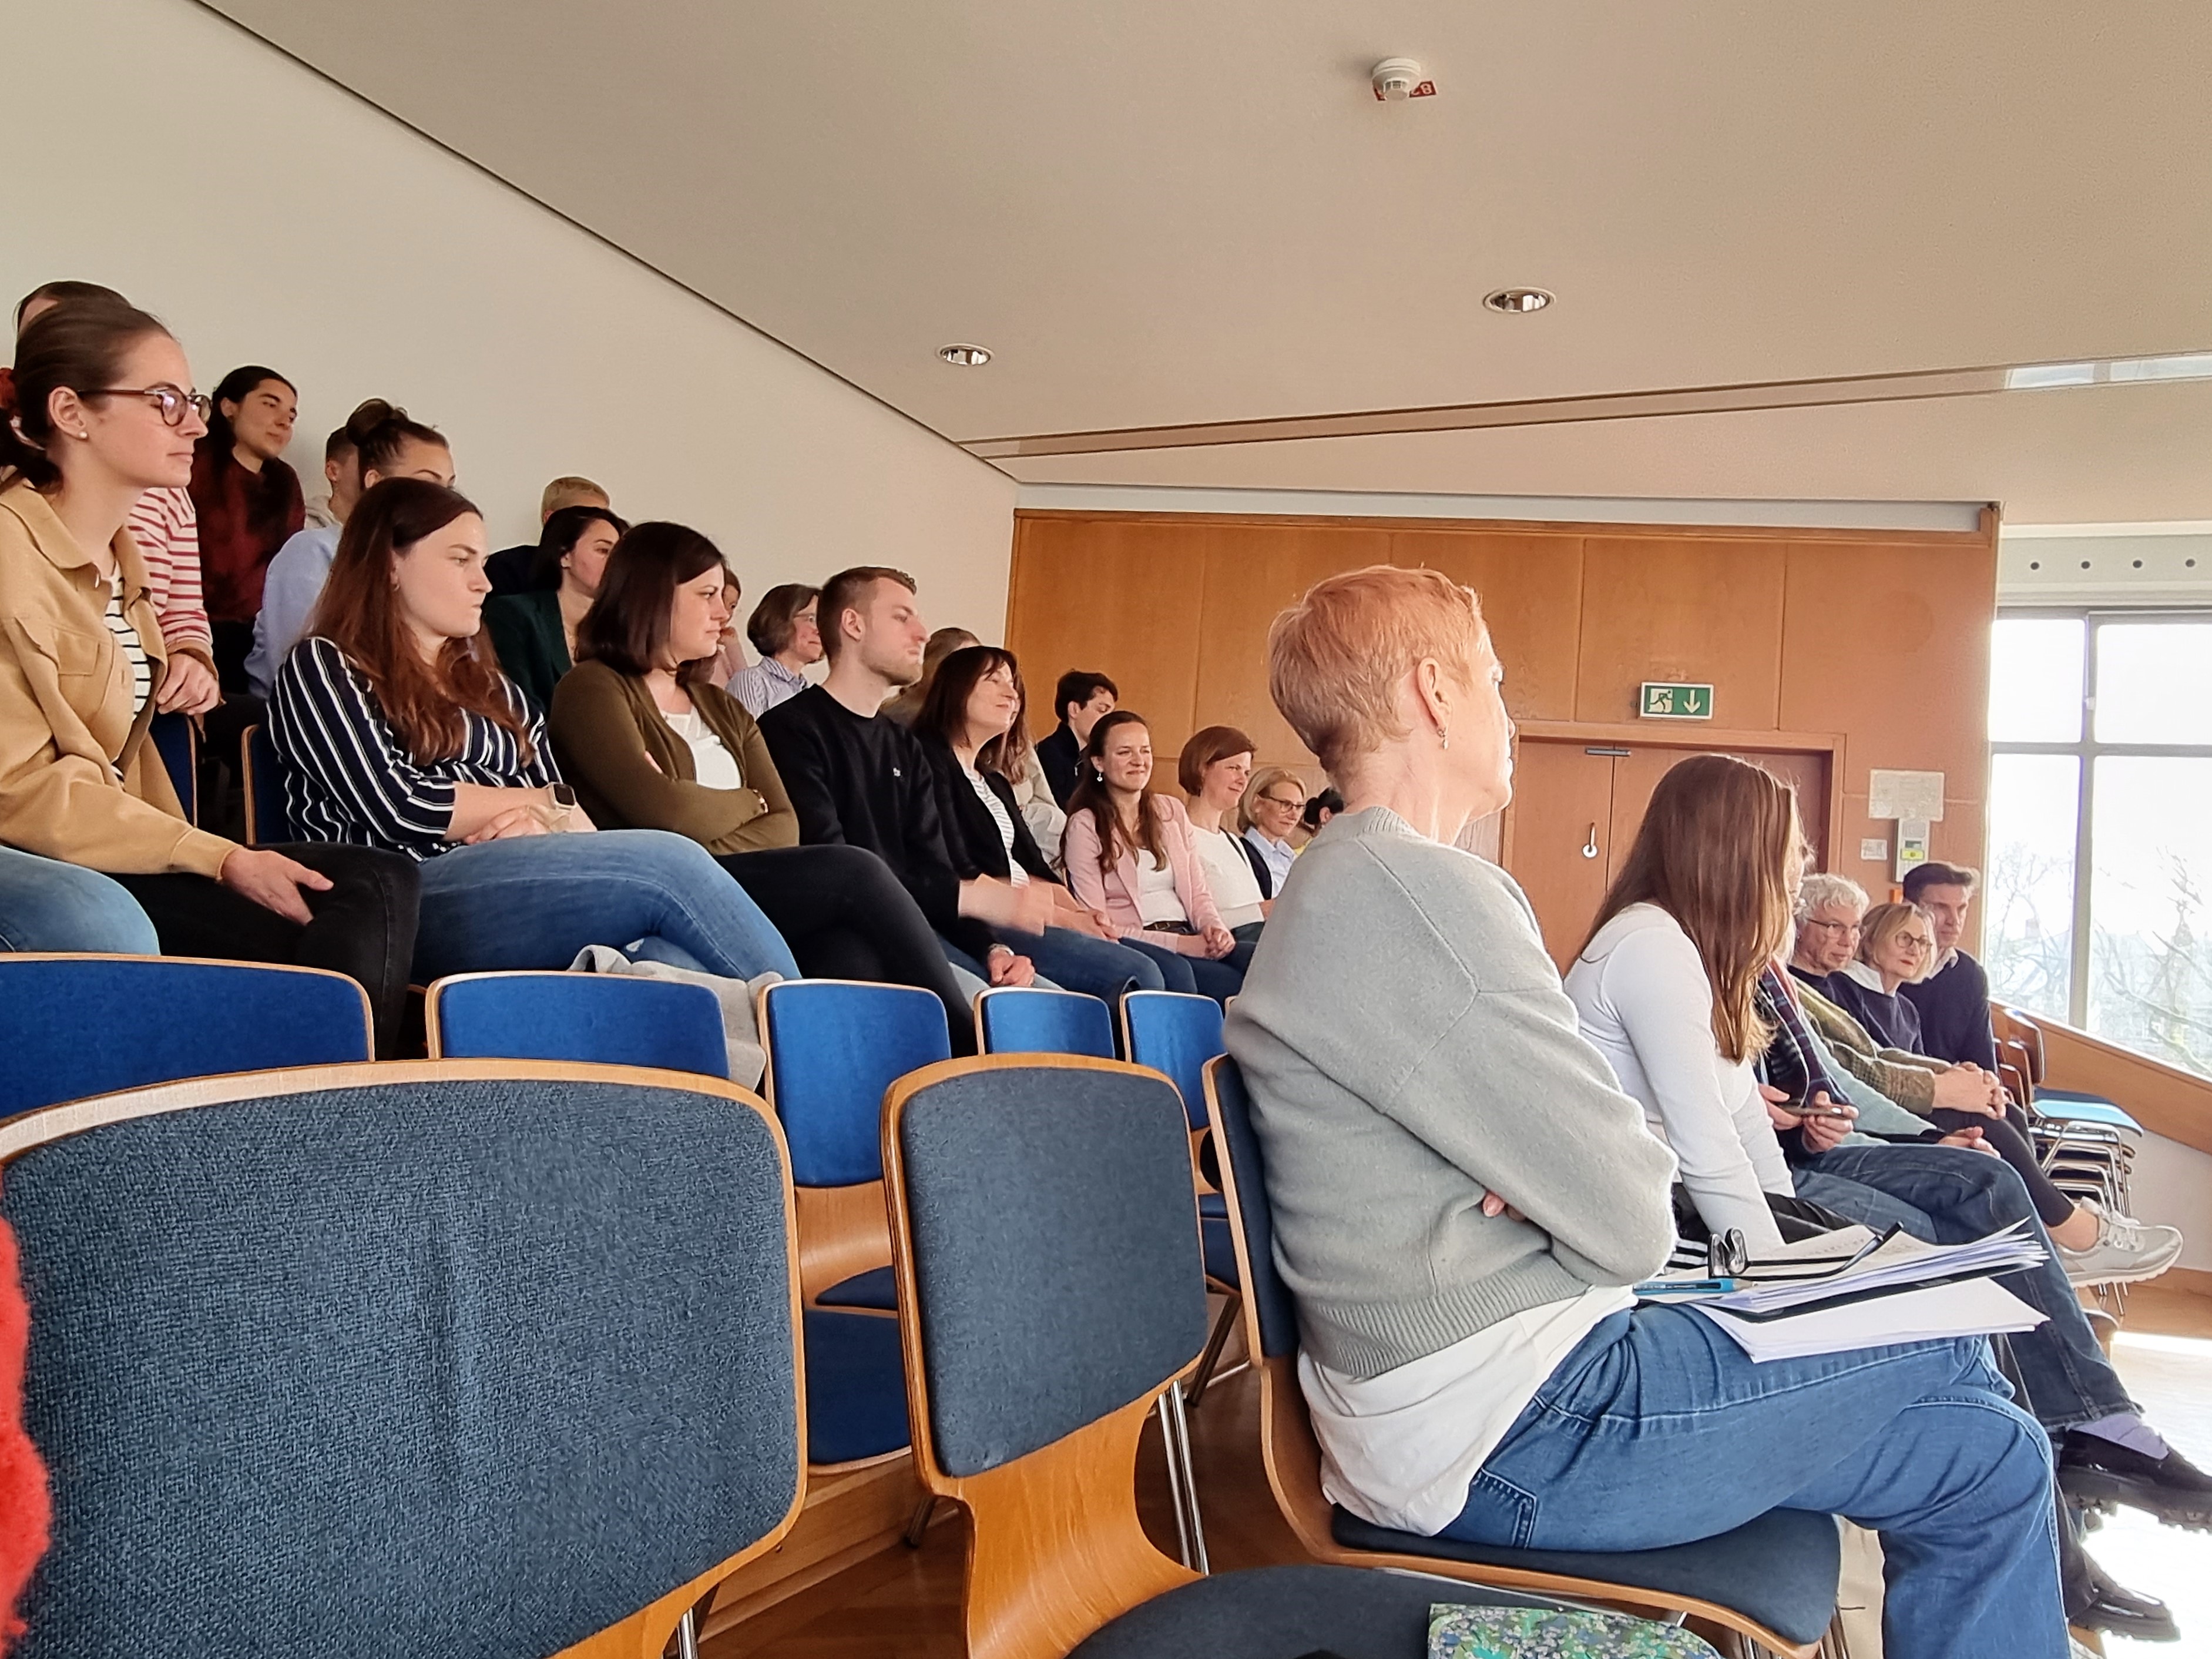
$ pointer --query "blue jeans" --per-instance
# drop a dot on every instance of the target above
(1948, 1195)
(1203, 976)
(1073, 961)
(45, 904)
(534, 901)
(1657, 1429)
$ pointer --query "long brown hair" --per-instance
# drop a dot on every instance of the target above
(359, 612)
(945, 706)
(1714, 853)
(1091, 795)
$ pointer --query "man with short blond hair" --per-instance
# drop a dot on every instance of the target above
(512, 570)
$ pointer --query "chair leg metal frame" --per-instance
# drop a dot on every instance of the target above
(1182, 1479)
(1224, 1322)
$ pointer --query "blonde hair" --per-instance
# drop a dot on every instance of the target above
(1334, 659)
(1877, 926)
(570, 491)
(1263, 780)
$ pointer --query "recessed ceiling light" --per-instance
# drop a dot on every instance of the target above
(1518, 302)
(965, 357)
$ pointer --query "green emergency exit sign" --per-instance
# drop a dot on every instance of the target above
(1663, 701)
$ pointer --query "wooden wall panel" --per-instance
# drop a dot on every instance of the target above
(1892, 642)
(1121, 596)
(1681, 607)
(1251, 572)
(1531, 587)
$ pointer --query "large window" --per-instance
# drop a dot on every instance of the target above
(2098, 906)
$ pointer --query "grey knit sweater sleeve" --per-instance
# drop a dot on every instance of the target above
(1408, 1048)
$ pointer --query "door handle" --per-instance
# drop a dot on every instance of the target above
(1589, 847)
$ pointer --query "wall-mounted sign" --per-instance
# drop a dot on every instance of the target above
(1665, 701)
(1915, 794)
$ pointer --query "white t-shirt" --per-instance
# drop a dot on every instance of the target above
(1400, 1449)
(717, 768)
(1156, 895)
(1015, 874)
(1643, 1000)
(1229, 877)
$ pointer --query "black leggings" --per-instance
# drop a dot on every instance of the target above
(846, 917)
(2004, 1136)
(363, 927)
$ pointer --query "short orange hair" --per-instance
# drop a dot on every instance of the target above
(1334, 659)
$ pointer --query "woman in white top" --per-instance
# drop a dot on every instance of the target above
(649, 741)
(1215, 769)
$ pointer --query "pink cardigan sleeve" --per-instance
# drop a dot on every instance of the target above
(1079, 853)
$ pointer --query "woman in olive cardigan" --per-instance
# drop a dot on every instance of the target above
(649, 742)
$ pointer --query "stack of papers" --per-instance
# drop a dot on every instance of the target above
(1851, 1289)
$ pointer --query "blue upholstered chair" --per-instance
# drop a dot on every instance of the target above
(834, 1046)
(1772, 1580)
(1030, 1020)
(74, 1026)
(604, 1019)
(1042, 1228)
(268, 822)
(444, 1358)
(177, 741)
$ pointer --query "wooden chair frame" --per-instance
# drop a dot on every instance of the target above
(644, 1634)
(1055, 1548)
(1291, 1456)
(253, 825)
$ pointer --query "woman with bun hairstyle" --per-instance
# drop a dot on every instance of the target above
(385, 444)
(398, 730)
(98, 409)
(653, 743)
(1130, 853)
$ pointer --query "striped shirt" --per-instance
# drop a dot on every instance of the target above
(764, 685)
(166, 528)
(134, 650)
(349, 776)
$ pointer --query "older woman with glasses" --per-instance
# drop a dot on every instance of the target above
(1274, 802)
(1464, 1199)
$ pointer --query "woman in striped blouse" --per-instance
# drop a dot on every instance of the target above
(96, 410)
(397, 729)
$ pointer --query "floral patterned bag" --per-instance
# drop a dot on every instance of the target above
(1473, 1633)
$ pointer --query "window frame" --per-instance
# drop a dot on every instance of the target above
(2088, 749)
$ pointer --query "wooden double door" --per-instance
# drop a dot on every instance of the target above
(1576, 807)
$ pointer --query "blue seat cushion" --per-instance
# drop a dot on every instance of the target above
(2069, 1107)
(1780, 1570)
(1211, 1207)
(878, 1288)
(856, 1387)
(1288, 1613)
(1220, 1251)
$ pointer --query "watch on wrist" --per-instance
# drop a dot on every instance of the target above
(564, 799)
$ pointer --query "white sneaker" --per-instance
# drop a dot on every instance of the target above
(2126, 1250)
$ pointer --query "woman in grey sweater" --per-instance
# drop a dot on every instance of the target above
(1462, 1196)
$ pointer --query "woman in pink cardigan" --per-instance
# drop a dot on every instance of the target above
(1130, 853)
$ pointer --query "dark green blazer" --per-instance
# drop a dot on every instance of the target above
(526, 631)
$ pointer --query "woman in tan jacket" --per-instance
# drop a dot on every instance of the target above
(95, 411)
(650, 742)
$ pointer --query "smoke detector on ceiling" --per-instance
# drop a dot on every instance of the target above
(1397, 78)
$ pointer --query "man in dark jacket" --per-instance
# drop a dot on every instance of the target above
(1083, 699)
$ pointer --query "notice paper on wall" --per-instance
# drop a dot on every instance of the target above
(1914, 794)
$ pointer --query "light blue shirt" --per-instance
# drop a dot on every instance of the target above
(1276, 855)
(764, 685)
(288, 592)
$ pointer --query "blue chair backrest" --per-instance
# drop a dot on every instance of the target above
(1055, 1250)
(74, 1026)
(1245, 1176)
(1175, 1033)
(1025, 1019)
(834, 1046)
(269, 819)
(393, 1368)
(605, 1019)
(172, 736)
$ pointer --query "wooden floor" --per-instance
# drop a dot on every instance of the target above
(908, 1601)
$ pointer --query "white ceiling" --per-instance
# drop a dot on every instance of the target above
(1166, 211)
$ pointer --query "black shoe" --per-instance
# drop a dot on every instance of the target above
(2094, 1470)
(2119, 1612)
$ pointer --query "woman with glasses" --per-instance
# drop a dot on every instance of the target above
(249, 504)
(1274, 802)
(1896, 944)
(95, 413)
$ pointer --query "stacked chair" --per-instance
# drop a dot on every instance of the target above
(493, 1359)
(1050, 1290)
(1771, 1581)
